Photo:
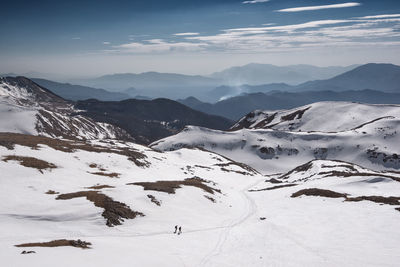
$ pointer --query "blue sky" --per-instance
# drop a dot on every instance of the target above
(81, 38)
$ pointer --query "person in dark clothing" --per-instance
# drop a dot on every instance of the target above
(176, 229)
(180, 230)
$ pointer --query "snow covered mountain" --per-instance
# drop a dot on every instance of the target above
(319, 117)
(278, 141)
(26, 107)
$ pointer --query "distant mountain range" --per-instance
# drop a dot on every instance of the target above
(379, 77)
(155, 84)
(79, 92)
(256, 74)
(370, 83)
(174, 86)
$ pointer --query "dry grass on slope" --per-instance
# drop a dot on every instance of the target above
(31, 162)
(114, 212)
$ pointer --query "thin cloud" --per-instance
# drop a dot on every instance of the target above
(380, 16)
(76, 38)
(186, 33)
(308, 8)
(254, 1)
(158, 46)
(106, 43)
(378, 30)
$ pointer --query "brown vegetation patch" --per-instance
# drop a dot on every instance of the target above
(58, 243)
(28, 252)
(299, 114)
(250, 170)
(301, 168)
(9, 140)
(31, 162)
(99, 186)
(274, 181)
(171, 186)
(350, 174)
(328, 193)
(376, 199)
(203, 167)
(318, 192)
(210, 198)
(154, 200)
(52, 192)
(114, 211)
(272, 187)
(111, 174)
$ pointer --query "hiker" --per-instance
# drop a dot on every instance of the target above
(176, 229)
(180, 230)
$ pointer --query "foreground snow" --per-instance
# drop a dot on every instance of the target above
(304, 231)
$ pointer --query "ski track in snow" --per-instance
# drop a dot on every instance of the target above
(250, 210)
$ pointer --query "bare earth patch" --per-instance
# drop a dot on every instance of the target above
(114, 212)
(210, 198)
(58, 243)
(31, 162)
(154, 200)
(272, 187)
(376, 199)
(100, 186)
(318, 192)
(332, 194)
(52, 192)
(111, 174)
(171, 186)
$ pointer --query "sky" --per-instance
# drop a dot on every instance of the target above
(91, 38)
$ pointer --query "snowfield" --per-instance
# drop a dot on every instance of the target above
(247, 225)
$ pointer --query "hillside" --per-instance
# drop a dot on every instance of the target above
(147, 120)
(31, 109)
(358, 133)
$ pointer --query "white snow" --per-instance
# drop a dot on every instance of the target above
(323, 117)
(306, 231)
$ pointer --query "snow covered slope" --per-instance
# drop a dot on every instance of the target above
(54, 189)
(320, 117)
(27, 108)
(365, 134)
(125, 199)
